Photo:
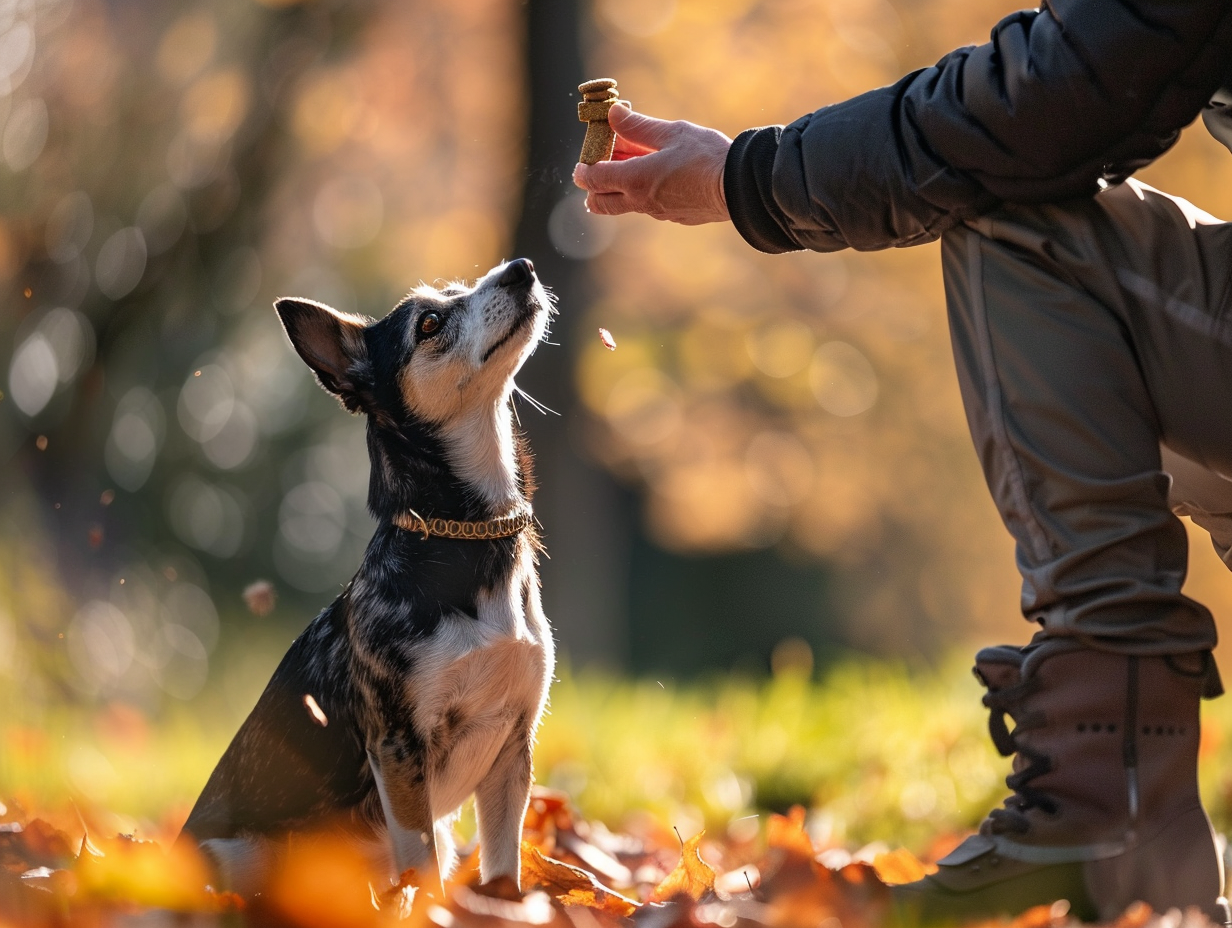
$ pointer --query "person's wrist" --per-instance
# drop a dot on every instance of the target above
(720, 189)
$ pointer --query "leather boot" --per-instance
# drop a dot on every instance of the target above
(1105, 808)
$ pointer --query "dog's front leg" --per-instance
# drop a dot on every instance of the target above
(402, 786)
(500, 806)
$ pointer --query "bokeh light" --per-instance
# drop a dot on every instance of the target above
(168, 170)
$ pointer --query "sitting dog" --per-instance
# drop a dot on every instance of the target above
(424, 681)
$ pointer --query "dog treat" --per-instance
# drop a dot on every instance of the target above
(608, 342)
(598, 96)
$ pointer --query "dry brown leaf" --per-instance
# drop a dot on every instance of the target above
(894, 868)
(692, 877)
(571, 885)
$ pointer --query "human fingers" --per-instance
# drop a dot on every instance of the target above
(626, 149)
(608, 204)
(641, 131)
(624, 176)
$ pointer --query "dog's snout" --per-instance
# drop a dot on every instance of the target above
(517, 272)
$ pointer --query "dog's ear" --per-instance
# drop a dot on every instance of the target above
(332, 344)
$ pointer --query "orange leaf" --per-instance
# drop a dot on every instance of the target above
(692, 876)
(322, 882)
(1136, 916)
(894, 868)
(787, 833)
(571, 885)
(140, 872)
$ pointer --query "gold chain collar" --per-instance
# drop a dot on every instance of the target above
(504, 527)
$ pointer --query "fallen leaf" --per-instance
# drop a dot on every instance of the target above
(1136, 915)
(692, 877)
(533, 909)
(786, 833)
(571, 885)
(322, 882)
(894, 868)
(125, 870)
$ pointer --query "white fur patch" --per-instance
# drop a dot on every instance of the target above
(491, 674)
(465, 388)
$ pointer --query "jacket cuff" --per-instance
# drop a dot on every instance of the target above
(747, 182)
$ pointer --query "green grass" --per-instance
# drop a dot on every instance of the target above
(876, 751)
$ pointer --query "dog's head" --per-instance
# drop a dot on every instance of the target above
(437, 372)
(440, 354)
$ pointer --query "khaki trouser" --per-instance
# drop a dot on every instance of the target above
(1094, 348)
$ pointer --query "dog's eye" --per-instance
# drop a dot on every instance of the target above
(429, 324)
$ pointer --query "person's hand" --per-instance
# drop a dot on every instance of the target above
(668, 170)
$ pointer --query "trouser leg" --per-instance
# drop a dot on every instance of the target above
(1086, 334)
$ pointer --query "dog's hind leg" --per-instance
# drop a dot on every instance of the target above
(500, 806)
(403, 790)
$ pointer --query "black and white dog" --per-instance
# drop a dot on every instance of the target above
(424, 681)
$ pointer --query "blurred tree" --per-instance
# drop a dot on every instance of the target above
(166, 170)
(169, 170)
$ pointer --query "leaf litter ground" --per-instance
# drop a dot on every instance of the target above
(62, 871)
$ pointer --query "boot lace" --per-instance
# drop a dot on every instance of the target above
(1001, 703)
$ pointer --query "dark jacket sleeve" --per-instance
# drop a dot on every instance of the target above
(1062, 100)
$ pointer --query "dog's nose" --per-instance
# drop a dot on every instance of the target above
(517, 272)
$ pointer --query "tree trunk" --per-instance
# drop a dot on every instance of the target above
(578, 504)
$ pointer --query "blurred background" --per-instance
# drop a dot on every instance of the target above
(770, 475)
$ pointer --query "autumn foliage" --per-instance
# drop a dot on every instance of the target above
(574, 873)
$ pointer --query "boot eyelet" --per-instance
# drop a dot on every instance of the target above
(1111, 727)
(1082, 726)
(1095, 727)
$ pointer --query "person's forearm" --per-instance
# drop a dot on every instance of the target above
(1024, 118)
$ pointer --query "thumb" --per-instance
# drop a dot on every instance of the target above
(641, 130)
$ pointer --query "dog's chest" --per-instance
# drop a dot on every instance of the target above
(487, 669)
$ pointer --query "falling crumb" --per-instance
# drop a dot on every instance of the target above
(315, 711)
(171, 574)
(608, 342)
(95, 536)
(28, 293)
(121, 581)
(260, 597)
(41, 443)
(107, 498)
(56, 506)
(196, 373)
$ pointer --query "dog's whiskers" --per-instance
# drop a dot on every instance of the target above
(542, 407)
